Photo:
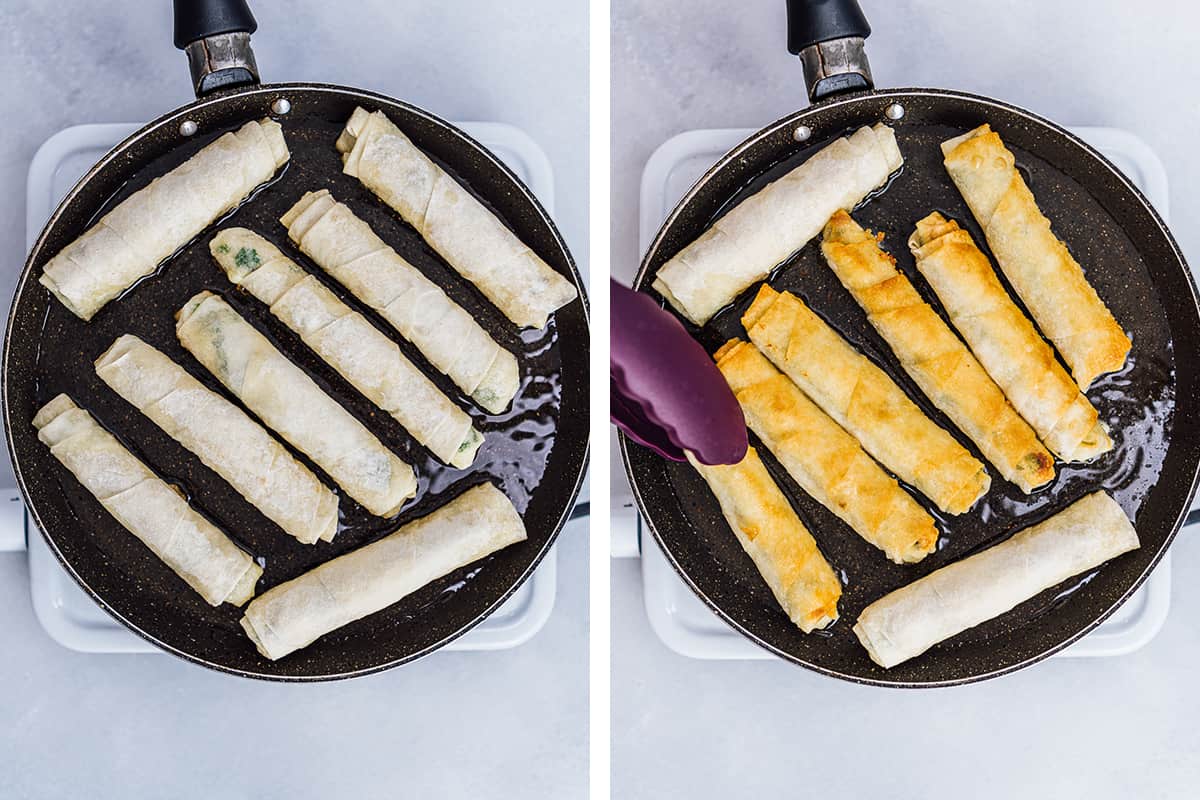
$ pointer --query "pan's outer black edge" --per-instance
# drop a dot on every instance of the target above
(179, 114)
(641, 282)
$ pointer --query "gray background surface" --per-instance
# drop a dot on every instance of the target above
(1068, 728)
(504, 724)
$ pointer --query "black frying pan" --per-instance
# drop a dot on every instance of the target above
(1152, 406)
(536, 452)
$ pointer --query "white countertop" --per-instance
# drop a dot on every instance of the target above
(501, 724)
(1066, 728)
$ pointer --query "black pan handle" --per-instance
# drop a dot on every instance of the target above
(215, 34)
(828, 36)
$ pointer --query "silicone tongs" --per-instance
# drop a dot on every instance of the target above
(665, 391)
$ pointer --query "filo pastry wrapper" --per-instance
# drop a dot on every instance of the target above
(782, 549)
(222, 436)
(933, 356)
(823, 459)
(290, 403)
(461, 229)
(152, 223)
(294, 614)
(349, 343)
(1049, 281)
(745, 244)
(456, 345)
(147, 506)
(910, 620)
(1005, 341)
(864, 400)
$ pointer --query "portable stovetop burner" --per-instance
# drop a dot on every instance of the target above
(677, 616)
(72, 618)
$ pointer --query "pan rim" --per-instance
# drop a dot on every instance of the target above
(640, 282)
(219, 98)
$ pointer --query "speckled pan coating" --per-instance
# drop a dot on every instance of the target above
(1153, 405)
(536, 452)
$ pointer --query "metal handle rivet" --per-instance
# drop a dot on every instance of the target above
(188, 128)
(802, 133)
(894, 111)
(281, 106)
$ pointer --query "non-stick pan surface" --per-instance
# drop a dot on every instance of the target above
(535, 452)
(1152, 407)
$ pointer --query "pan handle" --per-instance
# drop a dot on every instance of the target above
(215, 35)
(828, 36)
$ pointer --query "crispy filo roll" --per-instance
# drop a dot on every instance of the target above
(456, 345)
(864, 400)
(1050, 282)
(147, 506)
(910, 620)
(762, 231)
(775, 539)
(823, 459)
(222, 436)
(933, 356)
(289, 402)
(153, 222)
(461, 229)
(294, 614)
(1005, 341)
(349, 343)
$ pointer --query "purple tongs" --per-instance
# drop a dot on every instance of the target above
(666, 392)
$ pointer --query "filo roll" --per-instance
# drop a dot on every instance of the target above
(826, 461)
(910, 620)
(1049, 280)
(782, 549)
(762, 231)
(289, 402)
(864, 400)
(349, 343)
(152, 223)
(936, 359)
(147, 506)
(294, 614)
(461, 229)
(1005, 341)
(456, 345)
(222, 436)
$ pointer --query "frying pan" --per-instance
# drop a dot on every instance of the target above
(1152, 406)
(536, 452)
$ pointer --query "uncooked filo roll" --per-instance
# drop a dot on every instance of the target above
(456, 345)
(827, 462)
(1043, 272)
(152, 223)
(1005, 341)
(745, 244)
(294, 614)
(776, 540)
(146, 505)
(459, 227)
(348, 342)
(864, 400)
(290, 403)
(964, 594)
(933, 356)
(223, 437)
